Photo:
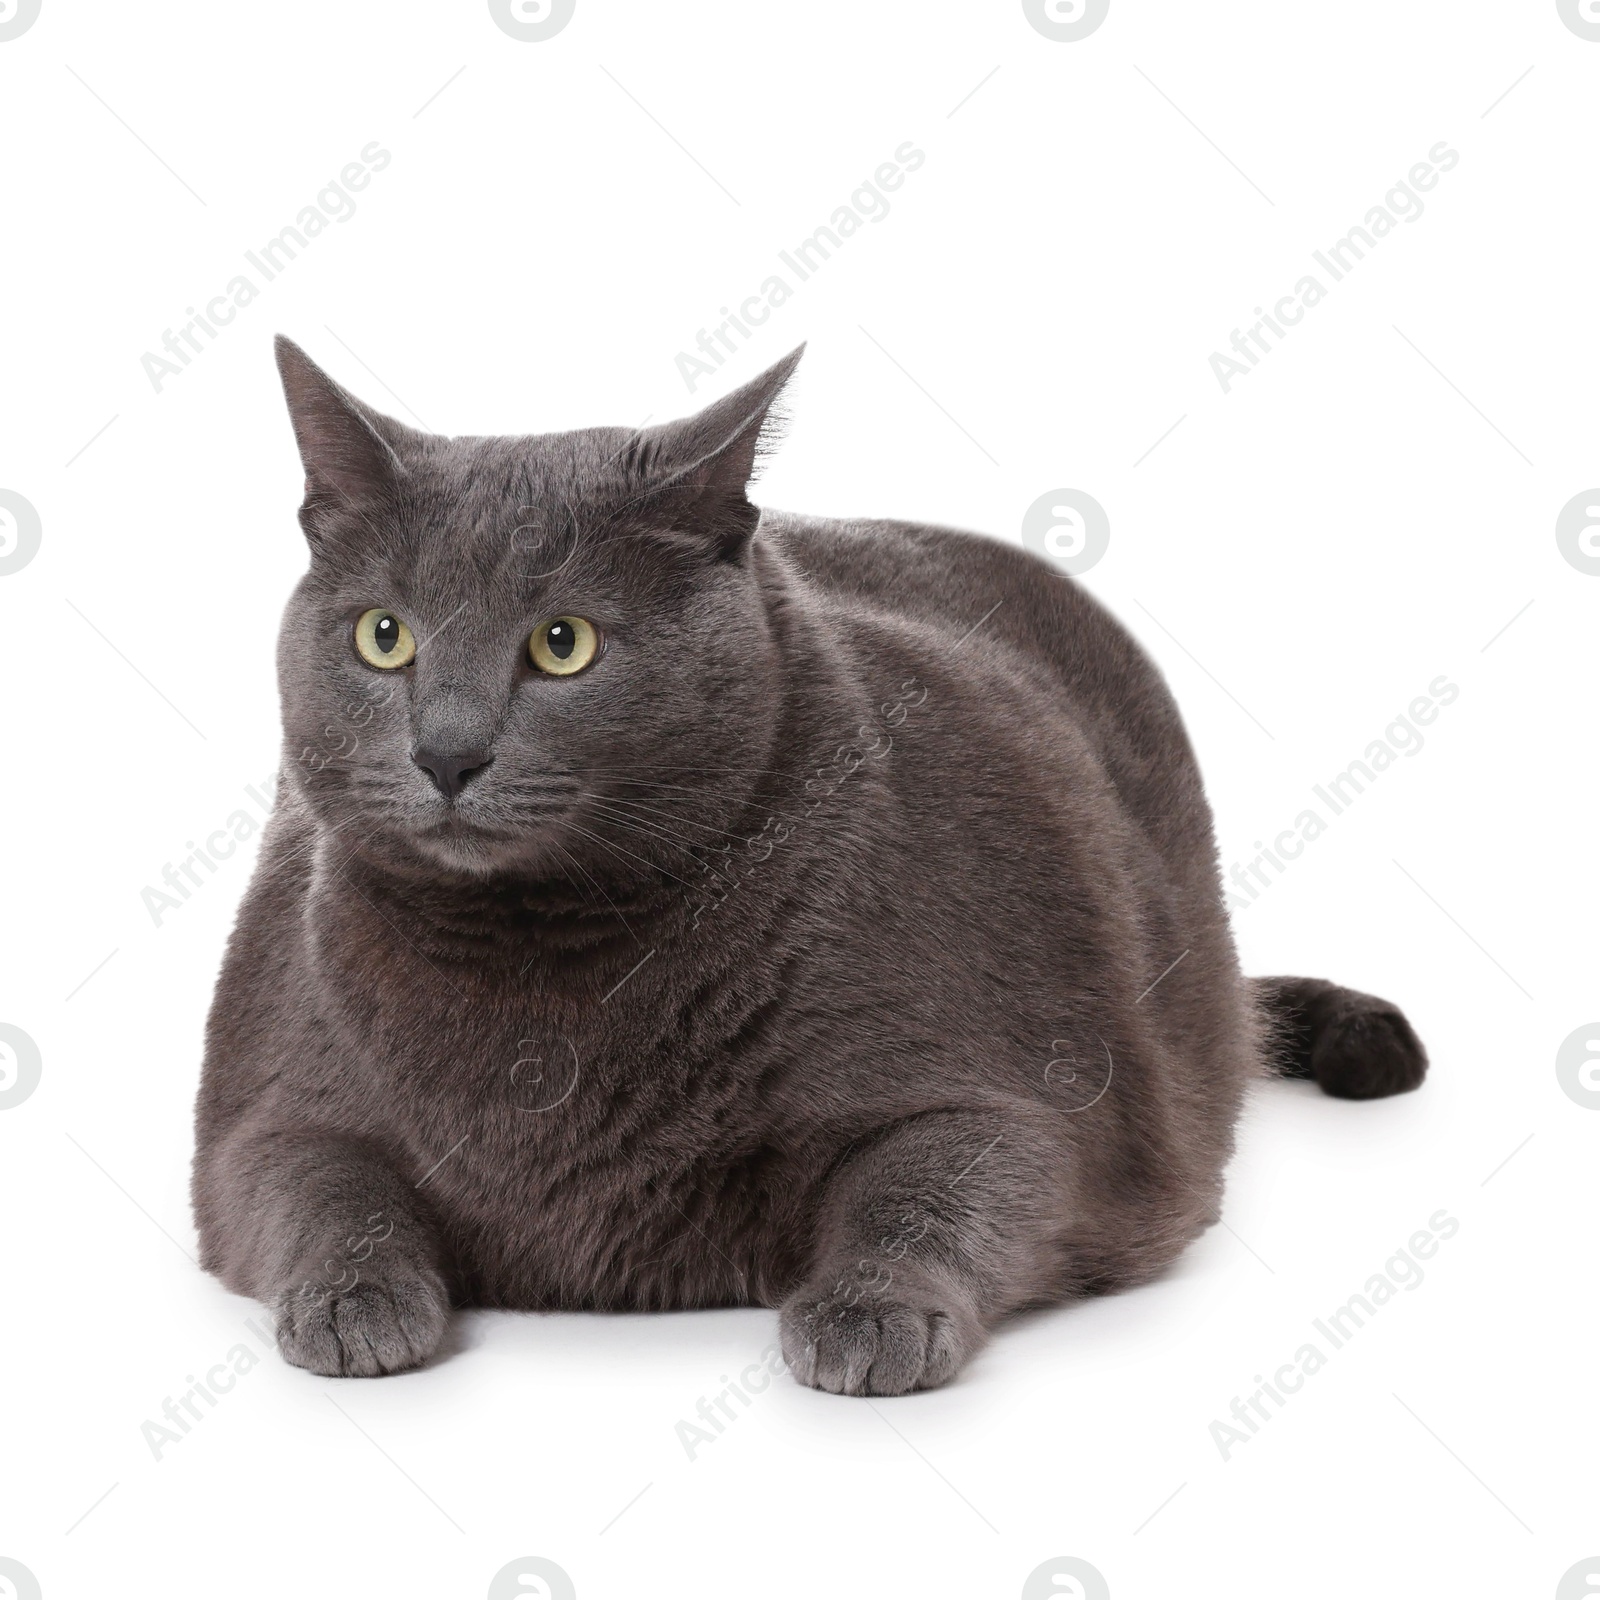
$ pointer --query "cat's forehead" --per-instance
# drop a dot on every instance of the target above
(516, 513)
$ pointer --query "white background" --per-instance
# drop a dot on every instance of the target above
(1366, 511)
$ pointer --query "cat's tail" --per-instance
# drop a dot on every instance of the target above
(1354, 1045)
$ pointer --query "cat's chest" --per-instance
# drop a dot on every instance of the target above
(613, 1048)
(591, 1168)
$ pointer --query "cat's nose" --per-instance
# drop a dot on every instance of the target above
(451, 767)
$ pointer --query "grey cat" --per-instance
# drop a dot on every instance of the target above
(675, 904)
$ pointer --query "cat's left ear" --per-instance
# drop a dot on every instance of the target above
(698, 470)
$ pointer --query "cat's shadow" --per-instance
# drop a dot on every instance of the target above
(463, 1332)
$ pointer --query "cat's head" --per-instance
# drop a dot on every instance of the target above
(509, 654)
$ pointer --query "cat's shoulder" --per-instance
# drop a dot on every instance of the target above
(881, 554)
(892, 581)
(931, 573)
(867, 542)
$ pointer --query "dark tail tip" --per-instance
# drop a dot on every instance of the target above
(1354, 1045)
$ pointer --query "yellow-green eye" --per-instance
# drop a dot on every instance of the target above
(564, 646)
(384, 640)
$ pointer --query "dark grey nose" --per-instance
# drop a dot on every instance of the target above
(451, 768)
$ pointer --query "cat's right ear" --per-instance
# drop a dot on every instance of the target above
(351, 453)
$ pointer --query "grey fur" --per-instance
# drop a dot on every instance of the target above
(821, 947)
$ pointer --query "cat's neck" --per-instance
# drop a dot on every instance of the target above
(458, 913)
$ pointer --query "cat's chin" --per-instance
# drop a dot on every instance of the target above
(478, 852)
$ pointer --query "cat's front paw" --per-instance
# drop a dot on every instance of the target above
(850, 1343)
(384, 1321)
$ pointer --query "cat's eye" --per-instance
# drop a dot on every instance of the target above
(563, 646)
(383, 640)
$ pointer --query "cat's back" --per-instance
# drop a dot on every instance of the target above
(922, 591)
(949, 584)
(919, 569)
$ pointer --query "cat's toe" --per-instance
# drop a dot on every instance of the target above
(374, 1327)
(872, 1346)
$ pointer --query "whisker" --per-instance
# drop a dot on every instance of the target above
(679, 766)
(618, 850)
(639, 805)
(690, 793)
(603, 895)
(691, 848)
(648, 831)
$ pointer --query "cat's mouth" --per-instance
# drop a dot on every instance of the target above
(456, 825)
(466, 824)
(498, 821)
(482, 838)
